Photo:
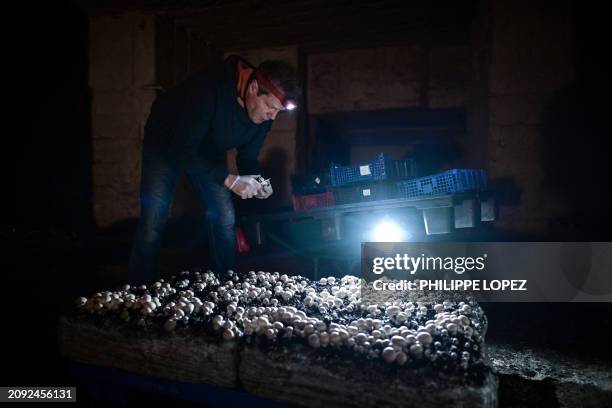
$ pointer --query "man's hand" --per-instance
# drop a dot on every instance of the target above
(244, 186)
(266, 190)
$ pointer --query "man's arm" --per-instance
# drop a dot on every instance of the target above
(248, 163)
(195, 122)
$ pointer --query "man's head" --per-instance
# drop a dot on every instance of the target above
(261, 103)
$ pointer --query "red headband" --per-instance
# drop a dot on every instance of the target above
(287, 102)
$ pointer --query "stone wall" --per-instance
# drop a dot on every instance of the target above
(388, 78)
(122, 80)
(132, 58)
(530, 58)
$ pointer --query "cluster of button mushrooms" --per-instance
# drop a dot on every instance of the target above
(325, 314)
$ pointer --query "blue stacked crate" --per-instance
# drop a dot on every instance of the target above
(448, 182)
(371, 181)
(381, 168)
(355, 173)
(404, 169)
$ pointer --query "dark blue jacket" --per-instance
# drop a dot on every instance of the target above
(194, 124)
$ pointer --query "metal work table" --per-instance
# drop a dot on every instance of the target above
(441, 214)
(467, 208)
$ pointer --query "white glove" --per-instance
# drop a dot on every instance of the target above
(246, 186)
(266, 190)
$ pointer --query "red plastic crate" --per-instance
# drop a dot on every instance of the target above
(310, 201)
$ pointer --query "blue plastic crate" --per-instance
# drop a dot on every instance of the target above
(451, 181)
(373, 171)
(379, 169)
(403, 169)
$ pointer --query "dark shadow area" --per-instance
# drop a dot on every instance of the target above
(564, 327)
(50, 104)
(329, 146)
(575, 136)
(435, 158)
(515, 391)
(507, 192)
(48, 231)
(575, 154)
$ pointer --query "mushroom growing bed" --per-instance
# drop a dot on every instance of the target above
(290, 339)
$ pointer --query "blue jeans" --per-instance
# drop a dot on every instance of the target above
(157, 185)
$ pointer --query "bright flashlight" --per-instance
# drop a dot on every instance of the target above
(388, 231)
(290, 106)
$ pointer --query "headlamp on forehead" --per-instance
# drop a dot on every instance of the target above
(288, 103)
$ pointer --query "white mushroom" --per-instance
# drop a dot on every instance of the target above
(452, 328)
(313, 340)
(228, 334)
(170, 325)
(424, 337)
(389, 354)
(401, 358)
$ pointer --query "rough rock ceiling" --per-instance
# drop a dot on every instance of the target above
(319, 24)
